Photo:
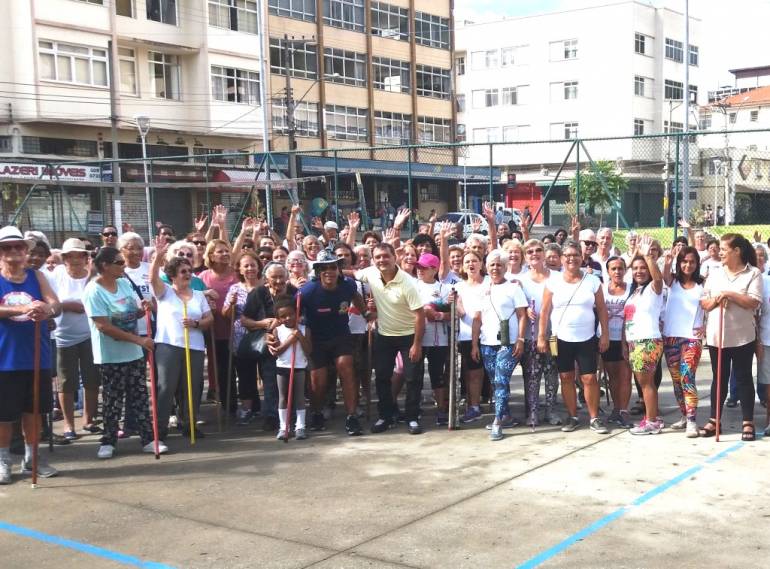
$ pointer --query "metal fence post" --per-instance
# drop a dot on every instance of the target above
(491, 166)
(208, 189)
(676, 185)
(336, 192)
(577, 180)
(409, 187)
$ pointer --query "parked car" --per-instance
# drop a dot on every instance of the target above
(512, 214)
(466, 218)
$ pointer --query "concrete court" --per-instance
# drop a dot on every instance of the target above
(242, 499)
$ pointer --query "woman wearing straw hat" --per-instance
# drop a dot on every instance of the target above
(25, 298)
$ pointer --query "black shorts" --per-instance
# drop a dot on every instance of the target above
(584, 353)
(16, 394)
(614, 353)
(326, 352)
(468, 362)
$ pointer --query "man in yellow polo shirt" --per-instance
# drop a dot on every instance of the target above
(400, 326)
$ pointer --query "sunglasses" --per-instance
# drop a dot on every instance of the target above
(118, 262)
(183, 254)
(199, 243)
(110, 234)
(590, 243)
(166, 234)
(13, 246)
(533, 251)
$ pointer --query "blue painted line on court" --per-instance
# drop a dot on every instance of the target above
(86, 548)
(544, 556)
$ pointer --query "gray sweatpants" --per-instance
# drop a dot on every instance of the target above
(172, 373)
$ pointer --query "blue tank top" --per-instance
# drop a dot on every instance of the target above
(16, 334)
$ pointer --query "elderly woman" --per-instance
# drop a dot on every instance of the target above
(311, 246)
(280, 254)
(732, 296)
(516, 267)
(499, 328)
(26, 298)
(198, 241)
(112, 308)
(553, 256)
(299, 269)
(250, 273)
(259, 314)
(179, 308)
(477, 243)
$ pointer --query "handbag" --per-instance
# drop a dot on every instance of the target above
(253, 346)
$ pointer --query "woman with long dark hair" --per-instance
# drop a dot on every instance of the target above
(737, 290)
(618, 370)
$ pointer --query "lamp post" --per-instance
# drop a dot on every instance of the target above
(143, 124)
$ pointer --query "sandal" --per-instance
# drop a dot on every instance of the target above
(709, 429)
(749, 433)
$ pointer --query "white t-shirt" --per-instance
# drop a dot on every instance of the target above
(499, 302)
(71, 327)
(284, 359)
(573, 320)
(764, 320)
(709, 266)
(356, 321)
(436, 333)
(683, 313)
(534, 293)
(642, 314)
(170, 314)
(470, 296)
(615, 304)
(140, 276)
(451, 278)
(509, 276)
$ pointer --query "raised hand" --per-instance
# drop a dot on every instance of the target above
(757, 237)
(220, 215)
(433, 217)
(200, 223)
(401, 217)
(684, 224)
(476, 224)
(643, 245)
(296, 209)
(354, 220)
(575, 227)
(248, 224)
(161, 246)
(127, 227)
(488, 211)
(317, 223)
(446, 229)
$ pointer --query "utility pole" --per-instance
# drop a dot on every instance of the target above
(118, 191)
(292, 157)
(263, 96)
(686, 147)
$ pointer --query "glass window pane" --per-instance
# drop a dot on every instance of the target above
(100, 73)
(82, 73)
(63, 68)
(127, 76)
(47, 67)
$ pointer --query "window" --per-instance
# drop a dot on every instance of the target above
(164, 75)
(6, 144)
(563, 49)
(510, 96)
(483, 98)
(733, 118)
(460, 103)
(297, 9)
(432, 82)
(431, 31)
(640, 86)
(163, 11)
(570, 90)
(674, 50)
(305, 118)
(640, 43)
(127, 66)
(199, 156)
(58, 146)
(392, 128)
(73, 63)
(754, 116)
(638, 127)
(491, 134)
(693, 93)
(235, 85)
(346, 14)
(460, 135)
(673, 90)
(346, 123)
(672, 127)
(514, 133)
(303, 59)
(460, 65)
(484, 59)
(693, 57)
(236, 15)
(705, 121)
(99, 2)
(432, 129)
(507, 56)
(570, 130)
(391, 75)
(390, 21)
(124, 8)
(346, 67)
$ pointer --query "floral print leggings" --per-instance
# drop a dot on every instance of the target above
(499, 363)
(534, 367)
(682, 357)
(125, 381)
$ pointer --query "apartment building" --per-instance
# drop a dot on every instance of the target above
(361, 73)
(608, 71)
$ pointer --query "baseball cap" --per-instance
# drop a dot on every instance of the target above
(330, 225)
(587, 235)
(428, 260)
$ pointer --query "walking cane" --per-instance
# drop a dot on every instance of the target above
(453, 367)
(215, 371)
(35, 402)
(367, 379)
(153, 388)
(720, 340)
(189, 376)
(228, 390)
(289, 397)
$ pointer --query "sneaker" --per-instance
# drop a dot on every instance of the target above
(382, 425)
(173, 422)
(554, 421)
(105, 451)
(243, 417)
(471, 414)
(646, 427)
(282, 435)
(680, 425)
(496, 433)
(44, 470)
(570, 424)
(507, 422)
(352, 426)
(95, 429)
(691, 430)
(5, 471)
(614, 418)
(150, 447)
(625, 419)
(70, 435)
(300, 434)
(317, 422)
(442, 419)
(598, 426)
(414, 428)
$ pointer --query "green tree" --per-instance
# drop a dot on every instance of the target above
(592, 194)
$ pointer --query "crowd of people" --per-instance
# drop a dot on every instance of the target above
(270, 323)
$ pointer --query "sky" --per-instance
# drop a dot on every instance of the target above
(733, 34)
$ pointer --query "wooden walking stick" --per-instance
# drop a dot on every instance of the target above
(720, 341)
(289, 397)
(153, 388)
(453, 400)
(367, 386)
(228, 390)
(188, 365)
(35, 434)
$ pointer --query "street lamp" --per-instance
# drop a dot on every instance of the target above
(143, 124)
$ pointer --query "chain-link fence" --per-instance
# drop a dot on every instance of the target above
(624, 183)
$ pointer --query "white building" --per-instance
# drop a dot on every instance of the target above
(609, 71)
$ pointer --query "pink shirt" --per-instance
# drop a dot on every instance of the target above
(221, 285)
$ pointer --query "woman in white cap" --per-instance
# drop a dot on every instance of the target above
(75, 359)
(25, 298)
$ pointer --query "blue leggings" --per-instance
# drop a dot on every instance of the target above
(499, 363)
